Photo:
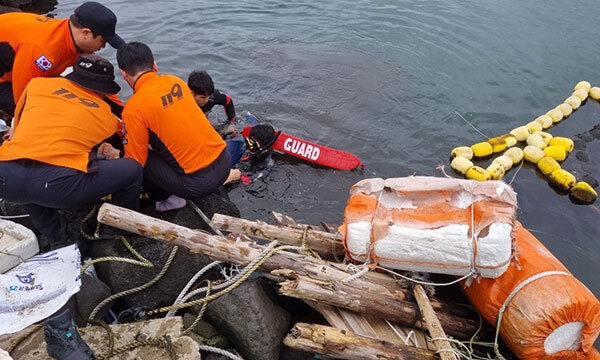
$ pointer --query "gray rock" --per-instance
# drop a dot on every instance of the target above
(251, 319)
(122, 276)
(92, 292)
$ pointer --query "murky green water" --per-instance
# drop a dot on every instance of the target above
(383, 79)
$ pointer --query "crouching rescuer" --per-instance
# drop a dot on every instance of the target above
(182, 154)
(51, 160)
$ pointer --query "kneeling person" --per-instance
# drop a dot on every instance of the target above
(187, 157)
(50, 161)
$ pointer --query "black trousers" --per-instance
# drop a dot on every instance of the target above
(45, 188)
(161, 180)
(7, 102)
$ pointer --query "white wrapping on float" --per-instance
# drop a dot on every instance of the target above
(397, 234)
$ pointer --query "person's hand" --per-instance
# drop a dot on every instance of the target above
(234, 175)
(108, 151)
(8, 134)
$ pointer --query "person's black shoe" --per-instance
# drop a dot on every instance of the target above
(63, 341)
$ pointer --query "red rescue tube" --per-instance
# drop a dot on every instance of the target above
(312, 152)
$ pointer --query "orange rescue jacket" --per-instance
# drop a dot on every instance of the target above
(162, 113)
(43, 47)
(59, 123)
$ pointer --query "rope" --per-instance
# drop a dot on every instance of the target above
(356, 275)
(13, 345)
(265, 251)
(14, 216)
(306, 250)
(139, 288)
(143, 262)
(424, 282)
(471, 125)
(111, 335)
(246, 274)
(516, 172)
(162, 342)
(220, 351)
(511, 295)
(407, 340)
(201, 313)
(204, 217)
(191, 282)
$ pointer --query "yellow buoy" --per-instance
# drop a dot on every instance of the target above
(478, 173)
(482, 149)
(461, 164)
(574, 101)
(566, 109)
(496, 171)
(533, 154)
(534, 126)
(521, 133)
(462, 151)
(595, 93)
(546, 136)
(544, 120)
(583, 85)
(505, 161)
(556, 152)
(566, 143)
(547, 165)
(584, 192)
(562, 178)
(556, 115)
(515, 154)
(498, 144)
(509, 139)
(582, 94)
(536, 140)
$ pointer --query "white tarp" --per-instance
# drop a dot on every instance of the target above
(37, 288)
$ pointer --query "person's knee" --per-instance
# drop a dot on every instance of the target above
(132, 171)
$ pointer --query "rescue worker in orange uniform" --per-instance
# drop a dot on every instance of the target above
(187, 158)
(33, 45)
(51, 160)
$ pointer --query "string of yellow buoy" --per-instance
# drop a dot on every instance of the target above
(542, 149)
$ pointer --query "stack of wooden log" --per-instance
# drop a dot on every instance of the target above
(371, 316)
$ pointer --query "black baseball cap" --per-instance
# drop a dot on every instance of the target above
(95, 73)
(100, 20)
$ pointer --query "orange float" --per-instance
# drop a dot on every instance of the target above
(546, 312)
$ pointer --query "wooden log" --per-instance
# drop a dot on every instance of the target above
(241, 252)
(341, 344)
(322, 242)
(433, 324)
(286, 221)
(373, 327)
(385, 306)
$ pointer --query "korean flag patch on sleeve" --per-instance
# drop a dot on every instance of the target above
(43, 63)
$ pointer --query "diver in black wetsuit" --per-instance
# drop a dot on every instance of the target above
(207, 96)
